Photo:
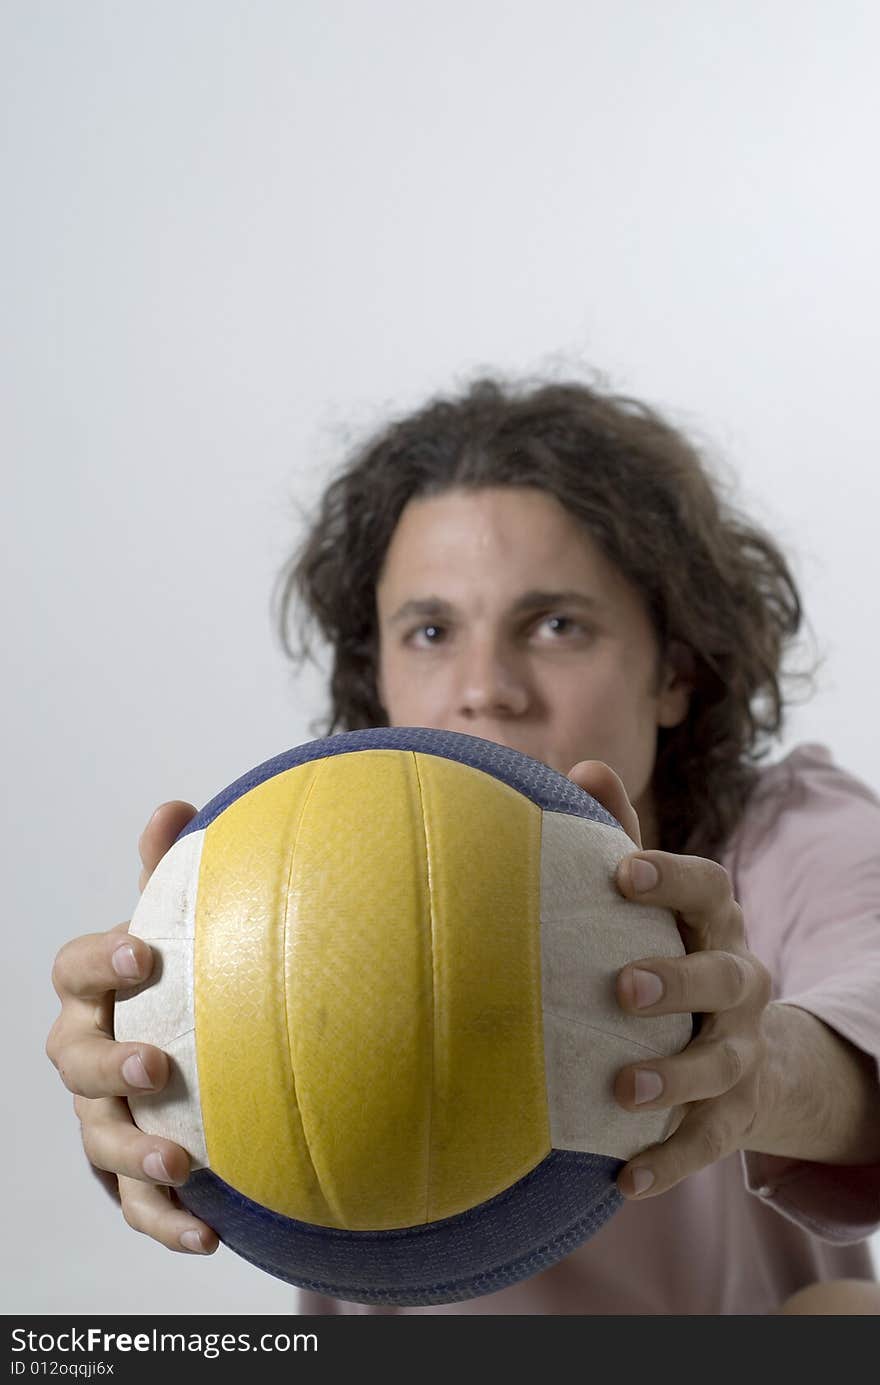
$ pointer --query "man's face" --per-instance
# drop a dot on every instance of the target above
(499, 617)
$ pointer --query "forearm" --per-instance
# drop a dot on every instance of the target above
(819, 1095)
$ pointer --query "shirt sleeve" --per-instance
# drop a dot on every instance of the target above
(807, 875)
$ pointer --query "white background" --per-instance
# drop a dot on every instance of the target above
(236, 236)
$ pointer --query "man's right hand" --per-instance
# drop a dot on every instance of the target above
(101, 1073)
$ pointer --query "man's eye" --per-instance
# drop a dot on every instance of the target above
(425, 635)
(560, 625)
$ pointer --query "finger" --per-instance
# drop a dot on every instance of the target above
(698, 984)
(95, 1066)
(599, 780)
(704, 1136)
(703, 1070)
(157, 1214)
(90, 966)
(113, 1142)
(698, 890)
(161, 832)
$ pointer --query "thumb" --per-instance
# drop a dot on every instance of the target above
(160, 834)
(600, 780)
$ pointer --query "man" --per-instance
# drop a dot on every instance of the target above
(554, 571)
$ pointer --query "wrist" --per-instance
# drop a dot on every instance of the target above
(818, 1097)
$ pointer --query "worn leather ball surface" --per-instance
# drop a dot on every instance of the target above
(385, 977)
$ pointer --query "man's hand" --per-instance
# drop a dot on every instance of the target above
(101, 1072)
(717, 1078)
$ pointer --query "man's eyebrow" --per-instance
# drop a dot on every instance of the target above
(540, 600)
(434, 607)
(429, 607)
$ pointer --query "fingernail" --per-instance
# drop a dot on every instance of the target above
(154, 1166)
(647, 987)
(191, 1240)
(125, 963)
(134, 1072)
(644, 876)
(649, 1085)
(641, 1180)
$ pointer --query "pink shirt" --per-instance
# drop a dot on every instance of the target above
(740, 1236)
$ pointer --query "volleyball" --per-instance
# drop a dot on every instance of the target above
(385, 976)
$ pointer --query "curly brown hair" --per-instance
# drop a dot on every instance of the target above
(711, 580)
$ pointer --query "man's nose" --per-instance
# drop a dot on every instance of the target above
(492, 681)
